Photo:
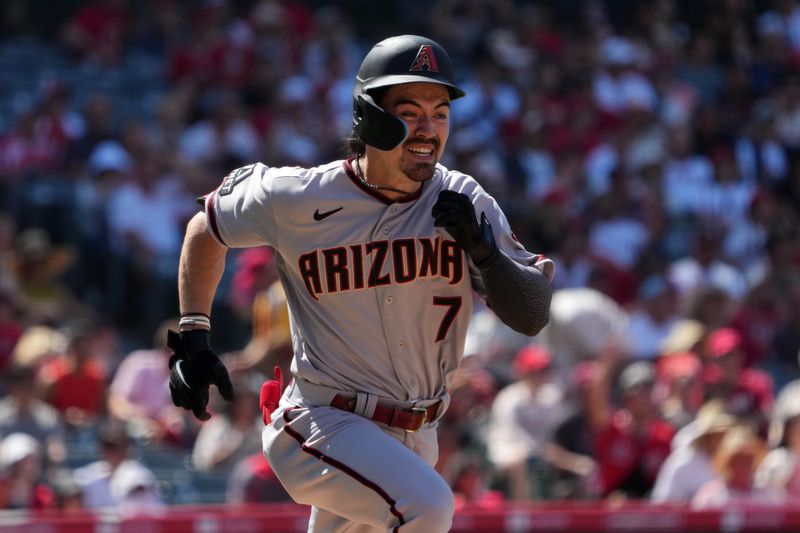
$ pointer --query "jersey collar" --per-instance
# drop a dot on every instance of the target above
(351, 173)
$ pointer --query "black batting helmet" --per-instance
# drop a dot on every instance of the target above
(396, 60)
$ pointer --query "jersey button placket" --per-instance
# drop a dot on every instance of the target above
(389, 300)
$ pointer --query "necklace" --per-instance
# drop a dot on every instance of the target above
(360, 176)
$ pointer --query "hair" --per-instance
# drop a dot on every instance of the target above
(354, 146)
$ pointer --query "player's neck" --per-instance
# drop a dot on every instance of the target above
(385, 177)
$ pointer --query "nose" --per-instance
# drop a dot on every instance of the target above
(423, 127)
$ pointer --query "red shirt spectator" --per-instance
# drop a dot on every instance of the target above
(631, 443)
(75, 382)
(748, 393)
(99, 30)
(629, 457)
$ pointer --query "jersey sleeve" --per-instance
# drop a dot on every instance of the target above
(505, 238)
(239, 212)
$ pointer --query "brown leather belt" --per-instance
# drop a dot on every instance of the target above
(410, 419)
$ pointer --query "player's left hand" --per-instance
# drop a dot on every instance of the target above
(193, 368)
(455, 212)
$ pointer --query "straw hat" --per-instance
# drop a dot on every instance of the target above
(34, 247)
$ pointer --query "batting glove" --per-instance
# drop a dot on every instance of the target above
(455, 212)
(193, 368)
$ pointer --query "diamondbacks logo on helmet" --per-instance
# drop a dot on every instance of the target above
(425, 60)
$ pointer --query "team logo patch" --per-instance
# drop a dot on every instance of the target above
(233, 178)
(425, 60)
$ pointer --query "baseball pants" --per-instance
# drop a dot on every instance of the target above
(358, 477)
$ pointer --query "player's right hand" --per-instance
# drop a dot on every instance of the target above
(193, 368)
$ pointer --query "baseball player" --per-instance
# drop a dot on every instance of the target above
(379, 255)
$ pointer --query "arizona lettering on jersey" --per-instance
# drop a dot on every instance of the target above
(379, 298)
(359, 266)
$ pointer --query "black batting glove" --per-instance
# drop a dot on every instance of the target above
(193, 368)
(455, 212)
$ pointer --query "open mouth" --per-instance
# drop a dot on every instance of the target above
(421, 151)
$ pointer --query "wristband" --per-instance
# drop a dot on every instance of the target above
(195, 321)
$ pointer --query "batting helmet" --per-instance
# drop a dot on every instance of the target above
(396, 60)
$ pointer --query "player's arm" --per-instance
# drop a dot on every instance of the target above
(200, 270)
(518, 294)
(194, 366)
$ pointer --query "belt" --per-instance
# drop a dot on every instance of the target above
(410, 419)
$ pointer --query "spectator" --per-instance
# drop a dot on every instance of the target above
(522, 419)
(133, 487)
(75, 382)
(704, 268)
(23, 411)
(756, 320)
(223, 138)
(145, 216)
(619, 88)
(571, 450)
(470, 487)
(653, 318)
(21, 486)
(736, 459)
(253, 481)
(746, 392)
(99, 31)
(10, 328)
(690, 466)
(783, 361)
(137, 394)
(631, 442)
(255, 272)
(582, 322)
(107, 482)
(39, 268)
(680, 389)
(780, 469)
(234, 433)
(271, 341)
(573, 261)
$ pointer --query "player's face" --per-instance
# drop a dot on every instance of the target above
(425, 108)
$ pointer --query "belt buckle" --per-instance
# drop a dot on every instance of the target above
(424, 413)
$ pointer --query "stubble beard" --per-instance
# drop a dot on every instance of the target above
(419, 172)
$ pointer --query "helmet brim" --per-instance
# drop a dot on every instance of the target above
(394, 79)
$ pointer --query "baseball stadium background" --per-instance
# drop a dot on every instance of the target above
(652, 149)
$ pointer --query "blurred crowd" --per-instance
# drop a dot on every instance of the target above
(651, 149)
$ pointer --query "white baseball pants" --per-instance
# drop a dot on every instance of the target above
(358, 477)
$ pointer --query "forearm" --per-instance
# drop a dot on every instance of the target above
(202, 264)
(519, 295)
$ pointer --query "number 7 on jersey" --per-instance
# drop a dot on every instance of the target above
(453, 305)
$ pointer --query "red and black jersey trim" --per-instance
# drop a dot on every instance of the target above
(351, 173)
(344, 468)
(211, 215)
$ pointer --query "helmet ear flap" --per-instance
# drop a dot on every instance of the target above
(375, 126)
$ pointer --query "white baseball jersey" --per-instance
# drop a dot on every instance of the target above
(379, 298)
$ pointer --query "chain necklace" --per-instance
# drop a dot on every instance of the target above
(360, 176)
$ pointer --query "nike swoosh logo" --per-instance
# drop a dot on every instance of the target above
(320, 216)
